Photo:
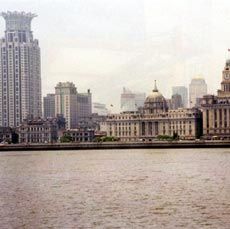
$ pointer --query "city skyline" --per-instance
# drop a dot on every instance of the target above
(123, 51)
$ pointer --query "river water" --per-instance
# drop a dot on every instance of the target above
(149, 188)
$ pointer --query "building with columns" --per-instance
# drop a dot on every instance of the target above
(20, 74)
(154, 120)
(216, 109)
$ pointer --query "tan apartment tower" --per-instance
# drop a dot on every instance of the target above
(66, 103)
(20, 70)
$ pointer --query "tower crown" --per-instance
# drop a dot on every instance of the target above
(18, 20)
(227, 64)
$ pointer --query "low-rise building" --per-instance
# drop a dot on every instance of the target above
(5, 134)
(38, 131)
(80, 135)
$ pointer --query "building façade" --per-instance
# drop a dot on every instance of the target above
(216, 109)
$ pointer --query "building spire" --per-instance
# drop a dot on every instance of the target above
(155, 86)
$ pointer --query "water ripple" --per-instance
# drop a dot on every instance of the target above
(115, 189)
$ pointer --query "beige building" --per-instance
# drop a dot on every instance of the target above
(66, 103)
(216, 109)
(155, 120)
(75, 107)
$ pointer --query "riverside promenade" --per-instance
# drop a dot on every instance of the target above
(116, 145)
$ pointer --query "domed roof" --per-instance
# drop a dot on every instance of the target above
(155, 103)
(155, 96)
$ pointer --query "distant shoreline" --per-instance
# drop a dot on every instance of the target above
(116, 145)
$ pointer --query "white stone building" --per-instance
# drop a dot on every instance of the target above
(216, 109)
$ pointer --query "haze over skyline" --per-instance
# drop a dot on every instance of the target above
(105, 45)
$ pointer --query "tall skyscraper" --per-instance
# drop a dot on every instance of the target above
(75, 107)
(197, 89)
(49, 106)
(84, 108)
(20, 74)
(100, 109)
(183, 92)
(66, 103)
(131, 101)
(175, 102)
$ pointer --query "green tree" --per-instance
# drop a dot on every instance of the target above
(106, 139)
(165, 137)
(66, 138)
(175, 136)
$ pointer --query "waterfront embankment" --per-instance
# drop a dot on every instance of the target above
(116, 145)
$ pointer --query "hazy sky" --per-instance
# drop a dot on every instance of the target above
(107, 44)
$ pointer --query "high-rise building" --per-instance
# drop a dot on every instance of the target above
(49, 106)
(197, 89)
(175, 102)
(20, 75)
(66, 103)
(100, 109)
(75, 107)
(131, 101)
(183, 92)
(84, 107)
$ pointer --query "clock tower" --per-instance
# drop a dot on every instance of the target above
(225, 84)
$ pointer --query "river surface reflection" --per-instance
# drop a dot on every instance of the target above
(149, 188)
